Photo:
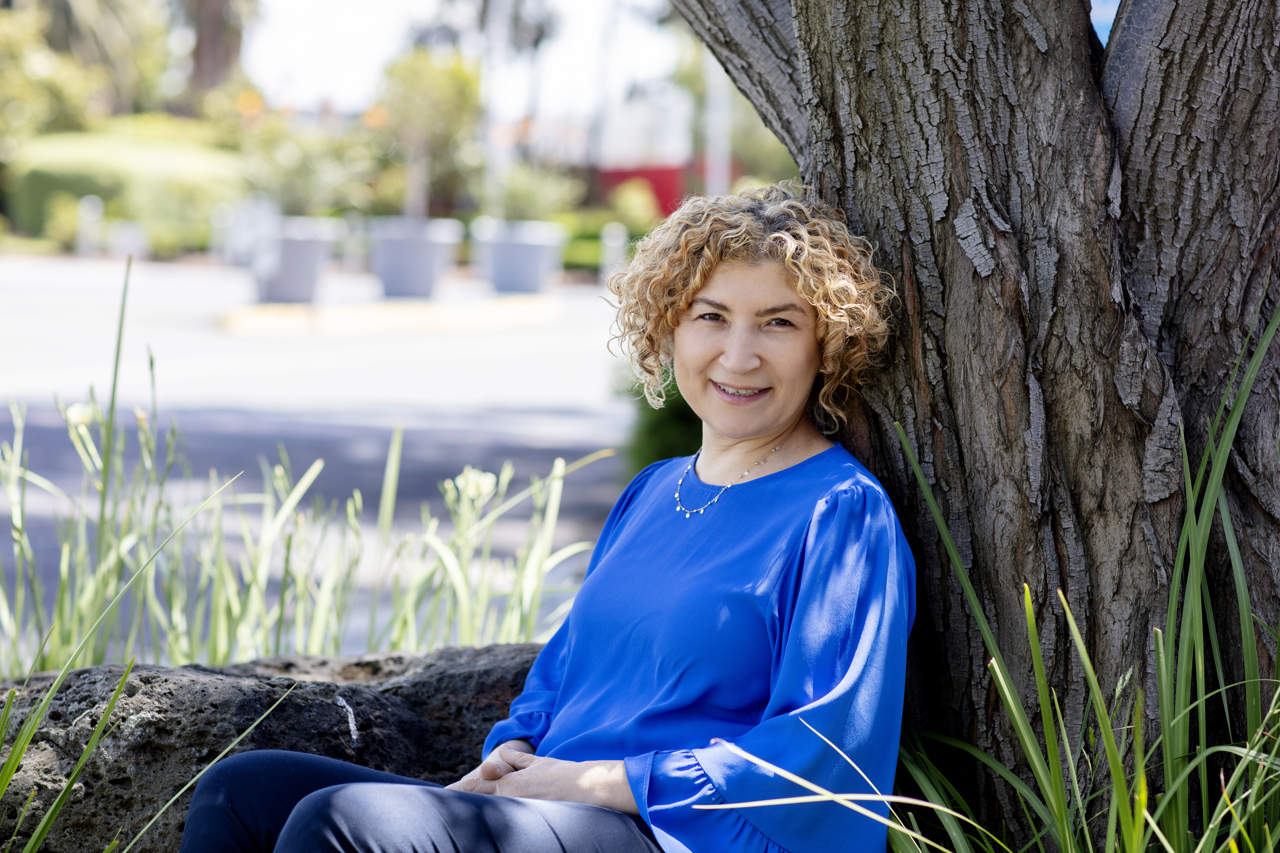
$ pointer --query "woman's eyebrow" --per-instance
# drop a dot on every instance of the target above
(711, 303)
(785, 308)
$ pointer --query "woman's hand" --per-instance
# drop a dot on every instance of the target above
(494, 767)
(521, 774)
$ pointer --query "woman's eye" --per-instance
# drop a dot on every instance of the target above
(780, 321)
(709, 316)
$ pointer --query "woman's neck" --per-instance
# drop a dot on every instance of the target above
(722, 460)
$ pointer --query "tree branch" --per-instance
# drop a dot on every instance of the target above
(755, 41)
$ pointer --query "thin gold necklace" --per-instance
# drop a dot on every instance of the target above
(689, 512)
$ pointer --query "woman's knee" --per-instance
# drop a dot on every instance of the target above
(341, 818)
(237, 774)
(373, 817)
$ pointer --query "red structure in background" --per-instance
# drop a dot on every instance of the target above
(668, 183)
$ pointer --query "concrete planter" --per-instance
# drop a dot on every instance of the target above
(409, 254)
(289, 267)
(518, 257)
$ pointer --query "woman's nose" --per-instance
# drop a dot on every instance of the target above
(740, 353)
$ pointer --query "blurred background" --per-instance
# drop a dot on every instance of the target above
(343, 217)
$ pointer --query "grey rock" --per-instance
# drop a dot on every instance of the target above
(424, 716)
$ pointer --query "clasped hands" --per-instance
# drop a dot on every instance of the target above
(512, 770)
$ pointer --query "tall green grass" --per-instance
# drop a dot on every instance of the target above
(22, 739)
(260, 573)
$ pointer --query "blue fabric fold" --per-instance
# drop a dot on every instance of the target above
(785, 605)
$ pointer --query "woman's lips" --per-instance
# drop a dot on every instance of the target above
(742, 395)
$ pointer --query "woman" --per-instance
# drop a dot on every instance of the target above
(745, 609)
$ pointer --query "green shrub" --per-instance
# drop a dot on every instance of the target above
(586, 222)
(168, 187)
(62, 220)
(309, 172)
(673, 430)
(536, 193)
(634, 204)
(582, 253)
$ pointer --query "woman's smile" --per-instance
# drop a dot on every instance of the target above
(738, 395)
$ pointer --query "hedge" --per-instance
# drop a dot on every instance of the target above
(169, 187)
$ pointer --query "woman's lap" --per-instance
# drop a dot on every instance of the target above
(292, 802)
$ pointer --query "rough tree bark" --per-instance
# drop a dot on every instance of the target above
(1080, 243)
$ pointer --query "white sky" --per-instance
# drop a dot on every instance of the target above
(304, 52)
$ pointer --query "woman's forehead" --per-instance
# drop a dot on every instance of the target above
(736, 282)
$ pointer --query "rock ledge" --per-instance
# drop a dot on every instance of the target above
(424, 716)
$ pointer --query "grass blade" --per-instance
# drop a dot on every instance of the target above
(108, 438)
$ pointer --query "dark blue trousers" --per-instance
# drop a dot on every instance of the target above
(292, 802)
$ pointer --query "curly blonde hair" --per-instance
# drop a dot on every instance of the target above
(783, 223)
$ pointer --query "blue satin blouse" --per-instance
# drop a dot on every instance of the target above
(787, 602)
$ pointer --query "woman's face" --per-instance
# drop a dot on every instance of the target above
(746, 351)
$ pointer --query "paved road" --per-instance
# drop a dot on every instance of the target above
(353, 352)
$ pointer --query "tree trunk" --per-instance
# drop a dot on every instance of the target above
(216, 54)
(1079, 249)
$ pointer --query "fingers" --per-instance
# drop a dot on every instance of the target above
(495, 768)
(516, 759)
(473, 784)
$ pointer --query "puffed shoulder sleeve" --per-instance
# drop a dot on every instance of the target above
(839, 666)
(531, 711)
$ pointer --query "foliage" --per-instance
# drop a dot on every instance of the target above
(532, 192)
(127, 39)
(673, 430)
(308, 172)
(264, 573)
(231, 113)
(632, 203)
(61, 220)
(40, 91)
(430, 109)
(164, 127)
(168, 187)
(635, 205)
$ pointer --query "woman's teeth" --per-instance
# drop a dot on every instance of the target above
(738, 392)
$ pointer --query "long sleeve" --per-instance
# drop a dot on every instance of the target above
(839, 657)
(530, 715)
(531, 711)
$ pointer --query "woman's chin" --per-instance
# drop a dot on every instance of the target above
(742, 429)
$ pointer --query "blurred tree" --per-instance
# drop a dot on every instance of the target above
(128, 38)
(757, 152)
(430, 105)
(308, 173)
(40, 91)
(219, 27)
(533, 23)
(532, 192)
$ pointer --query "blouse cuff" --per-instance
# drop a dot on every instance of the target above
(530, 726)
(667, 785)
